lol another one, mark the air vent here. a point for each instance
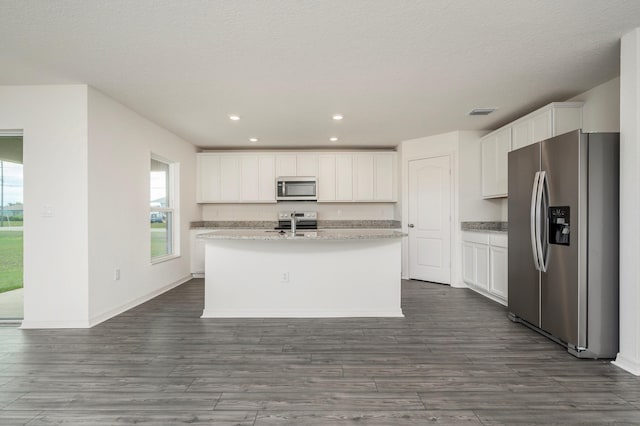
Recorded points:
(482, 111)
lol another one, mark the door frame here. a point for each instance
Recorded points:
(20, 133)
(454, 232)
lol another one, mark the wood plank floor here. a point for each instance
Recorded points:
(454, 359)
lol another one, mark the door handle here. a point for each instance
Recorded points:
(533, 218)
(411, 225)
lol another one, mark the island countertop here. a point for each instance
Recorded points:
(302, 235)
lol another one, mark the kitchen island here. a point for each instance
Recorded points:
(326, 273)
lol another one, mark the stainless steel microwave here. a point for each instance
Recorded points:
(297, 188)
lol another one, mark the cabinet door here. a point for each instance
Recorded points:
(468, 267)
(344, 177)
(541, 126)
(489, 161)
(327, 178)
(363, 177)
(494, 163)
(384, 175)
(498, 261)
(566, 119)
(267, 178)
(286, 165)
(307, 165)
(482, 266)
(521, 134)
(197, 252)
(208, 183)
(250, 178)
(503, 146)
(230, 175)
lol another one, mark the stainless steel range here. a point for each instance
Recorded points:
(303, 220)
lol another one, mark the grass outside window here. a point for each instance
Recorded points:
(11, 269)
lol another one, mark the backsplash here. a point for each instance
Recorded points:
(326, 211)
(322, 224)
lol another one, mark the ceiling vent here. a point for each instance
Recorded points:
(482, 111)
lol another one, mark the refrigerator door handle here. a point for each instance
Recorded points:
(534, 221)
(538, 215)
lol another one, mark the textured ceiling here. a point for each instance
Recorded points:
(396, 69)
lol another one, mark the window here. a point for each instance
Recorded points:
(163, 215)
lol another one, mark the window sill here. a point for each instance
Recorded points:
(163, 259)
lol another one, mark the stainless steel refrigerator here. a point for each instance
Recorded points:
(563, 240)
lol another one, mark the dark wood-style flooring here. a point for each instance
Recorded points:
(454, 359)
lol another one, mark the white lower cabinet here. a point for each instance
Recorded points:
(484, 264)
(197, 252)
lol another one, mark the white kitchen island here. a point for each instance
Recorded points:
(326, 273)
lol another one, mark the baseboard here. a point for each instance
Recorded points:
(488, 295)
(26, 325)
(630, 365)
(197, 275)
(300, 314)
(132, 304)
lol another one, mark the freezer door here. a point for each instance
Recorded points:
(524, 282)
(562, 290)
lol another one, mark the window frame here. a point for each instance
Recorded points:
(172, 210)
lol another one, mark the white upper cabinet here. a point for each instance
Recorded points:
(364, 184)
(236, 178)
(250, 177)
(286, 165)
(344, 177)
(230, 173)
(326, 177)
(552, 120)
(292, 164)
(374, 176)
(208, 178)
(495, 148)
(307, 165)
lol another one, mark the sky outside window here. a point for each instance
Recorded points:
(11, 183)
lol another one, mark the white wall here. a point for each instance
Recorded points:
(54, 119)
(601, 109)
(629, 355)
(326, 211)
(120, 145)
(86, 179)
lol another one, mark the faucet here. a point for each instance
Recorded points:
(294, 221)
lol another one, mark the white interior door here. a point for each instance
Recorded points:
(430, 219)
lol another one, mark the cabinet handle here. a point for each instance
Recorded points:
(411, 225)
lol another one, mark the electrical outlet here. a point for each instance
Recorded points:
(284, 277)
(116, 274)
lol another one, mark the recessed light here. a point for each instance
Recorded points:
(253, 139)
(334, 139)
(234, 117)
(337, 117)
(481, 111)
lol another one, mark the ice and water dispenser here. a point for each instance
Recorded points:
(559, 225)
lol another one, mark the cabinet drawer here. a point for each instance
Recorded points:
(473, 237)
(498, 240)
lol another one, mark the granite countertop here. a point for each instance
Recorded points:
(486, 227)
(302, 235)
